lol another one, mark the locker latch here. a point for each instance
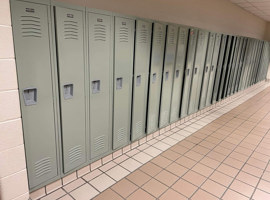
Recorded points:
(195, 71)
(177, 73)
(119, 83)
(154, 77)
(166, 76)
(187, 72)
(212, 67)
(68, 91)
(95, 86)
(138, 80)
(30, 96)
(206, 69)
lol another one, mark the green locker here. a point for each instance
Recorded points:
(101, 84)
(229, 67)
(241, 62)
(158, 44)
(140, 78)
(167, 80)
(219, 68)
(35, 66)
(213, 70)
(193, 35)
(123, 71)
(179, 73)
(69, 25)
(201, 50)
(233, 66)
(207, 69)
(224, 68)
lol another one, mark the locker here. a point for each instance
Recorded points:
(198, 71)
(240, 64)
(207, 69)
(123, 70)
(250, 63)
(157, 54)
(179, 73)
(69, 25)
(213, 70)
(219, 68)
(140, 78)
(32, 39)
(229, 67)
(224, 67)
(233, 66)
(100, 73)
(193, 34)
(167, 79)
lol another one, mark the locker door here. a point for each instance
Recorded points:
(240, 65)
(228, 72)
(207, 69)
(158, 44)
(219, 68)
(198, 71)
(193, 34)
(233, 66)
(224, 68)
(34, 66)
(179, 73)
(71, 68)
(100, 70)
(244, 67)
(213, 70)
(140, 79)
(167, 80)
(123, 70)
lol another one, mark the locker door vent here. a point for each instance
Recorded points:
(43, 166)
(143, 35)
(75, 153)
(182, 37)
(70, 30)
(123, 34)
(139, 128)
(172, 39)
(121, 134)
(30, 26)
(100, 32)
(159, 36)
(99, 143)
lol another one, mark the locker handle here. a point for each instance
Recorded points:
(154, 77)
(187, 72)
(95, 86)
(138, 80)
(195, 71)
(212, 67)
(177, 73)
(30, 96)
(119, 83)
(166, 76)
(206, 69)
(68, 91)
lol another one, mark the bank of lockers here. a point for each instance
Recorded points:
(91, 81)
(168, 75)
(155, 76)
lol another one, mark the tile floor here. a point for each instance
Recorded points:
(221, 154)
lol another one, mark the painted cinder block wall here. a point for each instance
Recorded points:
(13, 174)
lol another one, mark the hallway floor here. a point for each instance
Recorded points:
(222, 154)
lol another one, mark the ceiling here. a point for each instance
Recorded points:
(261, 8)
